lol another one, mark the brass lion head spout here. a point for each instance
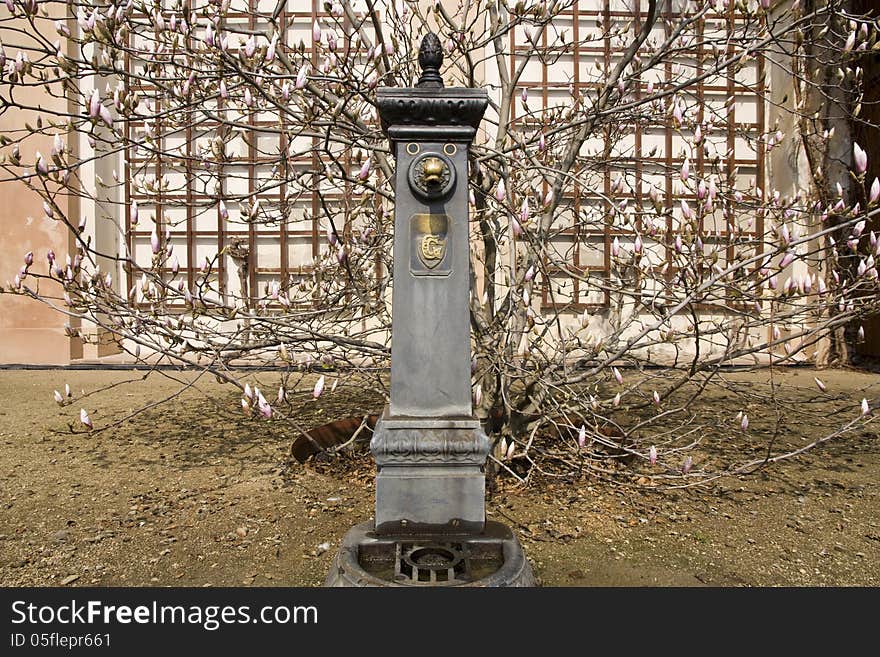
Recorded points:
(432, 170)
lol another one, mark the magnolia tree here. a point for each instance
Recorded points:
(627, 241)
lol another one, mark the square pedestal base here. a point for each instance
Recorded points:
(430, 475)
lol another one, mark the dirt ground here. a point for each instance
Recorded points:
(191, 493)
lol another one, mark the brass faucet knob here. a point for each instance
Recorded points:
(432, 170)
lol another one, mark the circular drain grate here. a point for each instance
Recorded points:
(434, 563)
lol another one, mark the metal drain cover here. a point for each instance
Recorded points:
(431, 563)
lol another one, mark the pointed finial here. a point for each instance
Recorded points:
(430, 59)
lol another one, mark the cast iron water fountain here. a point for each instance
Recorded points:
(430, 524)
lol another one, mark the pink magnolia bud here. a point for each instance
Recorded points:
(133, 213)
(685, 169)
(155, 245)
(302, 76)
(866, 408)
(686, 466)
(29, 258)
(860, 334)
(678, 244)
(582, 436)
(656, 398)
(819, 384)
(341, 256)
(94, 104)
(860, 158)
(686, 211)
(500, 191)
(530, 274)
(542, 144)
(615, 247)
(524, 211)
(744, 424)
(281, 395)
(875, 191)
(548, 198)
(319, 388)
(786, 260)
(316, 32)
(85, 419)
(652, 455)
(224, 92)
(617, 375)
(58, 398)
(850, 41)
(516, 227)
(616, 401)
(637, 245)
(365, 170)
(478, 395)
(270, 51)
(250, 47)
(524, 96)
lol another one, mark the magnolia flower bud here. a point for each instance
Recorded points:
(656, 398)
(744, 423)
(155, 245)
(478, 395)
(85, 419)
(133, 213)
(819, 384)
(516, 227)
(866, 408)
(94, 104)
(270, 51)
(652, 455)
(616, 400)
(875, 191)
(58, 398)
(500, 191)
(860, 158)
(319, 388)
(316, 32)
(686, 466)
(301, 76)
(617, 375)
(685, 169)
(365, 170)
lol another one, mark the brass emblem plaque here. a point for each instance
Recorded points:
(429, 238)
